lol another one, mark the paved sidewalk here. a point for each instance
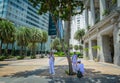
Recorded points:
(36, 71)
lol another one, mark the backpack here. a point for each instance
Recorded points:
(79, 74)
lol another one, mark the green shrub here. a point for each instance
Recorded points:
(2, 58)
(11, 56)
(71, 53)
(80, 56)
(60, 54)
(55, 55)
(32, 57)
(5, 57)
(78, 53)
(42, 56)
(19, 57)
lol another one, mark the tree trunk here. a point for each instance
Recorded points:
(12, 52)
(25, 51)
(68, 56)
(67, 53)
(6, 50)
(41, 48)
(44, 47)
(79, 46)
(33, 49)
(21, 50)
(1, 48)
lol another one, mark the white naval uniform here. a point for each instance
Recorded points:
(80, 67)
(51, 64)
(74, 63)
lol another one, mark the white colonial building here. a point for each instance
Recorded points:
(102, 40)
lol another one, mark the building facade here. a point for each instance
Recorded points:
(77, 22)
(102, 40)
(22, 13)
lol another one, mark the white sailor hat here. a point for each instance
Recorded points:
(78, 61)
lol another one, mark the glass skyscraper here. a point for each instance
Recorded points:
(22, 13)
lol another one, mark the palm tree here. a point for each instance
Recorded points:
(76, 47)
(44, 39)
(78, 35)
(12, 41)
(36, 37)
(55, 43)
(7, 33)
(0, 36)
(23, 37)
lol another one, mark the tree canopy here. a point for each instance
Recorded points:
(63, 9)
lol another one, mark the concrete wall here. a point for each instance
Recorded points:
(90, 50)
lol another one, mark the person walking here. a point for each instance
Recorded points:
(51, 63)
(74, 62)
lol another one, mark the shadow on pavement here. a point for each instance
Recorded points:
(2, 65)
(60, 77)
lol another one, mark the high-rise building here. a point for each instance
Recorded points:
(22, 13)
(77, 22)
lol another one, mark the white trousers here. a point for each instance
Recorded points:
(74, 67)
(51, 68)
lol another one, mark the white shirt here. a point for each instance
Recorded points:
(51, 59)
(74, 58)
(80, 67)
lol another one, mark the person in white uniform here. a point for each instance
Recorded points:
(80, 67)
(74, 62)
(51, 63)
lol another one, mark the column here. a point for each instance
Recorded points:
(90, 50)
(86, 18)
(116, 37)
(102, 8)
(92, 8)
(89, 18)
(100, 52)
(118, 3)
